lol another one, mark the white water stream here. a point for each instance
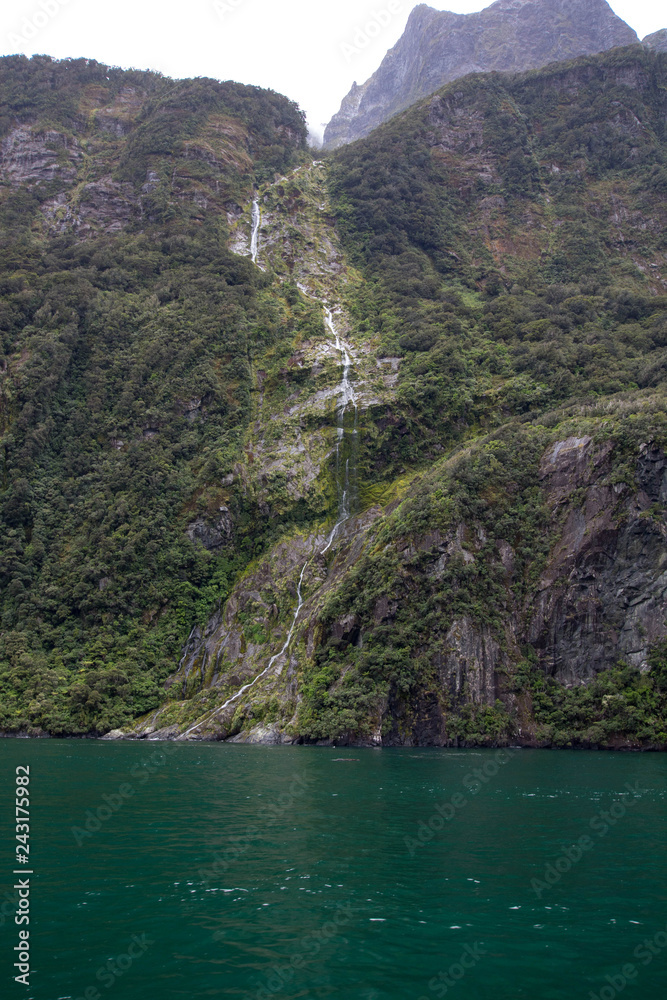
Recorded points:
(246, 687)
(346, 396)
(254, 237)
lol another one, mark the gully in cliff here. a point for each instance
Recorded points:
(345, 476)
(276, 656)
(254, 236)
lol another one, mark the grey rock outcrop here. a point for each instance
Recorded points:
(29, 156)
(602, 595)
(600, 600)
(656, 41)
(212, 535)
(438, 46)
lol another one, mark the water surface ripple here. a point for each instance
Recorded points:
(251, 872)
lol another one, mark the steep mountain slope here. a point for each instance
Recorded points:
(438, 46)
(503, 574)
(656, 41)
(128, 335)
(403, 480)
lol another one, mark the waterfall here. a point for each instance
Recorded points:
(345, 475)
(254, 237)
(246, 687)
(345, 479)
(345, 397)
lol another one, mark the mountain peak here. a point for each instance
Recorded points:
(657, 40)
(439, 46)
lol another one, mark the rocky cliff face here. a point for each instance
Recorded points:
(128, 149)
(600, 597)
(438, 46)
(656, 41)
(367, 450)
(603, 592)
(504, 575)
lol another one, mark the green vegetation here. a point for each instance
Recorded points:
(495, 493)
(406, 607)
(506, 243)
(126, 366)
(251, 132)
(619, 705)
(486, 225)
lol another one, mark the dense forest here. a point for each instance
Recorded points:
(124, 372)
(511, 233)
(505, 251)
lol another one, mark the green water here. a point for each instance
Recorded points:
(322, 885)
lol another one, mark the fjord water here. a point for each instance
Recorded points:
(316, 892)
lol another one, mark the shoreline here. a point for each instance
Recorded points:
(619, 746)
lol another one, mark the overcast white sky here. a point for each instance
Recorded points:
(308, 49)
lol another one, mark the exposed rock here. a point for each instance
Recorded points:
(59, 214)
(468, 663)
(107, 205)
(570, 464)
(438, 46)
(192, 409)
(346, 628)
(225, 655)
(118, 118)
(262, 734)
(656, 41)
(212, 536)
(152, 182)
(652, 473)
(603, 594)
(29, 156)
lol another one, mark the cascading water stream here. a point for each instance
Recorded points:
(246, 687)
(345, 397)
(345, 392)
(254, 236)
